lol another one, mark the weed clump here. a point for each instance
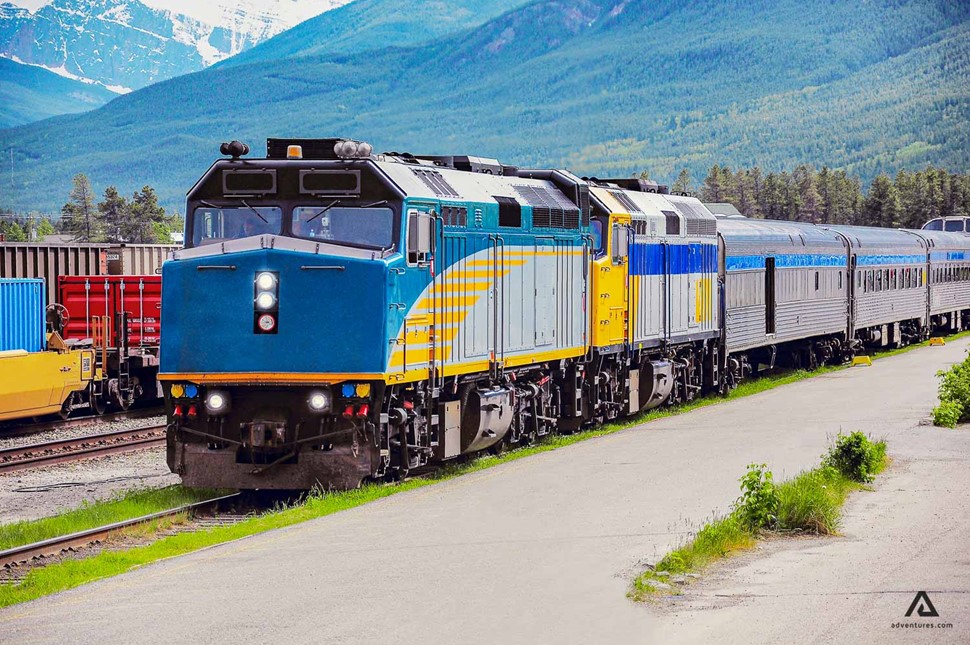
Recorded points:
(856, 457)
(954, 395)
(757, 507)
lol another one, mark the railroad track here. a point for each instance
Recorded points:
(56, 546)
(66, 450)
(24, 430)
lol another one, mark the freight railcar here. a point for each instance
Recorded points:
(121, 316)
(39, 373)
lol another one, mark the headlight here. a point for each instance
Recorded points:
(217, 402)
(265, 300)
(266, 281)
(318, 401)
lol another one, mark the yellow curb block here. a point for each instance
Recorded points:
(937, 341)
(861, 360)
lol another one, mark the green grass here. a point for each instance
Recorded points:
(809, 503)
(717, 539)
(69, 574)
(124, 506)
(812, 502)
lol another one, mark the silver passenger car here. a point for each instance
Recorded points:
(888, 296)
(783, 282)
(948, 277)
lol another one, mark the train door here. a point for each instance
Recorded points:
(851, 295)
(665, 288)
(618, 286)
(424, 243)
(770, 296)
(456, 296)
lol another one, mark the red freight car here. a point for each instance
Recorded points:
(87, 298)
(121, 314)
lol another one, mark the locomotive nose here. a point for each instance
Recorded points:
(274, 312)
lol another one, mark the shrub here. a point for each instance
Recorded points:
(757, 508)
(954, 395)
(947, 414)
(856, 456)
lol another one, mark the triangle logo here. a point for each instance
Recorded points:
(923, 606)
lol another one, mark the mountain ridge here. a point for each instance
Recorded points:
(594, 85)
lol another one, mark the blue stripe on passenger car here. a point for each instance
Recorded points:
(949, 255)
(870, 260)
(740, 262)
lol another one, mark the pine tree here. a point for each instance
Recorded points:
(145, 213)
(757, 184)
(826, 192)
(713, 189)
(683, 183)
(114, 213)
(906, 190)
(882, 203)
(771, 197)
(79, 217)
(810, 209)
(744, 193)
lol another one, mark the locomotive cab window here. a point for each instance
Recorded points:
(212, 224)
(368, 227)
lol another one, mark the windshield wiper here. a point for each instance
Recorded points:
(258, 214)
(241, 201)
(325, 209)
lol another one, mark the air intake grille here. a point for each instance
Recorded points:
(625, 200)
(454, 215)
(550, 209)
(698, 222)
(434, 181)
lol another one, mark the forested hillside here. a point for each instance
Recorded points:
(600, 86)
(31, 93)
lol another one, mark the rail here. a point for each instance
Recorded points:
(54, 546)
(86, 447)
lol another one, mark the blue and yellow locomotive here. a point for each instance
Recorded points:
(337, 315)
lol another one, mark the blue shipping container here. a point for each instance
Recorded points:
(22, 314)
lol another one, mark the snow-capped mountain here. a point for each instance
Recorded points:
(128, 44)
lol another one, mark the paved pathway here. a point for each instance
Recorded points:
(535, 551)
